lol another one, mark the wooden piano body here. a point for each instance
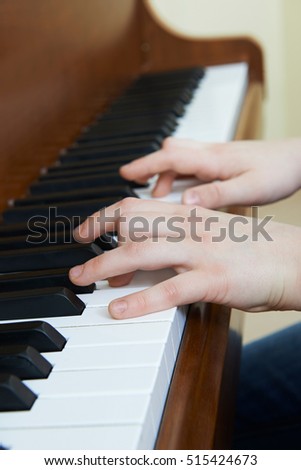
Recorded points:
(61, 63)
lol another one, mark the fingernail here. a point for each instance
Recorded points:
(79, 234)
(118, 307)
(76, 271)
(82, 231)
(192, 198)
(125, 167)
(76, 235)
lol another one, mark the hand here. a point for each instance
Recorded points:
(216, 257)
(243, 172)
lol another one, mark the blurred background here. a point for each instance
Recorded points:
(275, 24)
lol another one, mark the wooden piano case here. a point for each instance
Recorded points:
(61, 63)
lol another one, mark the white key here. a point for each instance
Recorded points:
(96, 382)
(104, 294)
(75, 411)
(118, 334)
(74, 438)
(213, 113)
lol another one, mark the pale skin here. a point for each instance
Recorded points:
(236, 269)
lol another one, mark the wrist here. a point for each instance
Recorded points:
(290, 297)
(294, 147)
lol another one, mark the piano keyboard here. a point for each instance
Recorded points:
(109, 379)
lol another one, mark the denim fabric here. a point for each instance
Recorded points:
(268, 410)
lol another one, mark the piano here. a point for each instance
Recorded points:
(85, 87)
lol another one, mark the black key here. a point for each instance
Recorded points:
(161, 130)
(39, 303)
(14, 395)
(49, 257)
(14, 230)
(140, 109)
(114, 179)
(167, 120)
(92, 163)
(50, 236)
(152, 101)
(38, 334)
(51, 225)
(160, 97)
(113, 151)
(93, 157)
(79, 195)
(147, 82)
(107, 241)
(141, 139)
(170, 76)
(171, 86)
(71, 209)
(129, 126)
(187, 76)
(41, 279)
(169, 106)
(13, 243)
(86, 168)
(23, 361)
(53, 237)
(86, 139)
(174, 89)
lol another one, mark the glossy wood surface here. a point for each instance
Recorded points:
(163, 50)
(61, 63)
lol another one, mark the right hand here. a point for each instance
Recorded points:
(233, 173)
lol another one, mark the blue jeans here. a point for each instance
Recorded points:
(268, 410)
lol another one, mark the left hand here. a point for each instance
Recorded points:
(214, 255)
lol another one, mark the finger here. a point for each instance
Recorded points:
(128, 258)
(164, 184)
(179, 155)
(97, 224)
(107, 219)
(182, 289)
(122, 280)
(143, 168)
(239, 190)
(154, 225)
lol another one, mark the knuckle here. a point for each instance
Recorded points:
(91, 269)
(170, 292)
(216, 149)
(214, 191)
(169, 146)
(134, 249)
(95, 263)
(168, 143)
(141, 302)
(126, 207)
(127, 204)
(122, 230)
